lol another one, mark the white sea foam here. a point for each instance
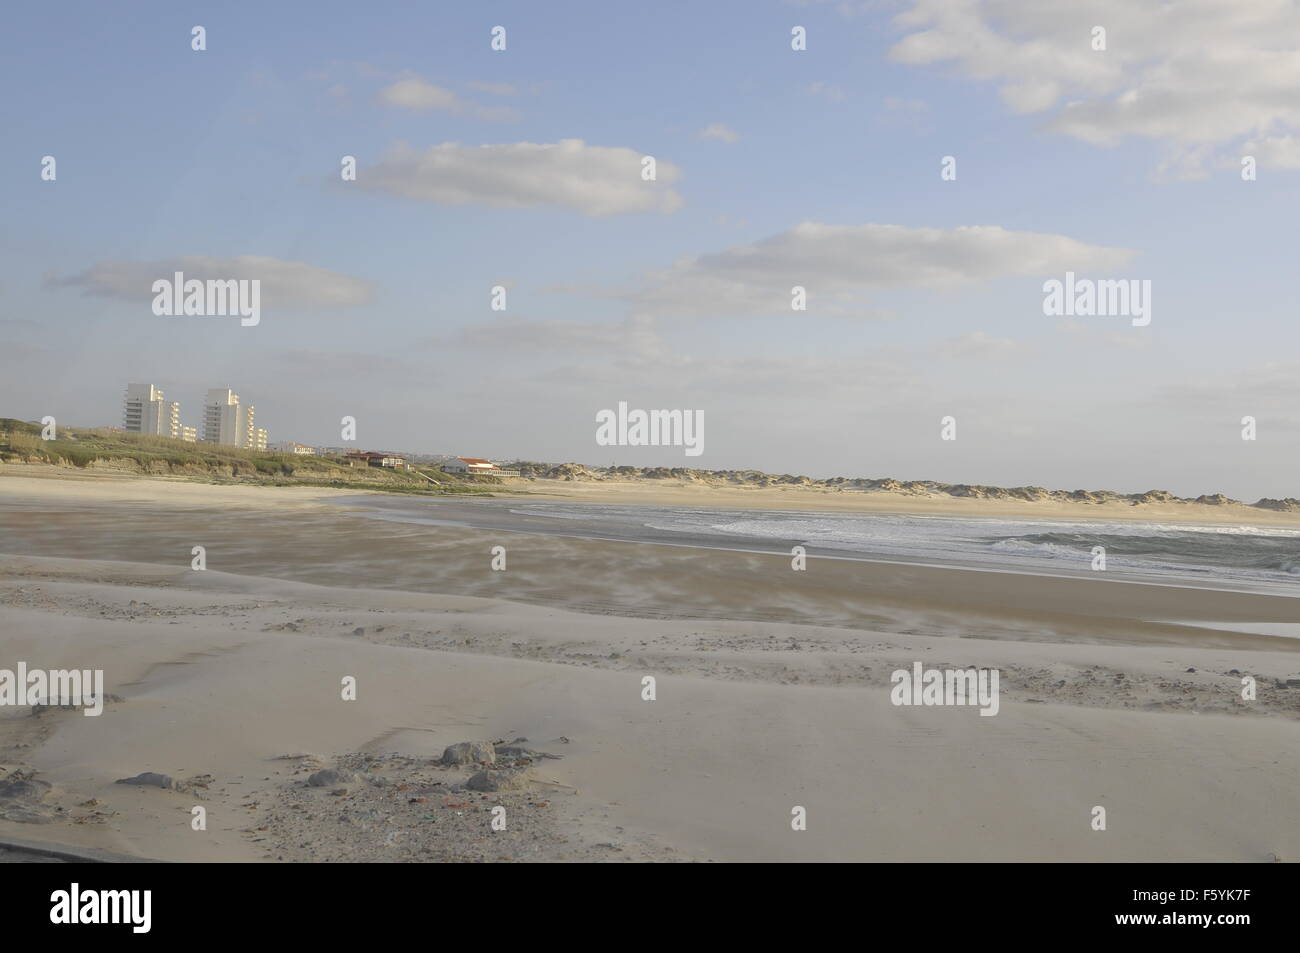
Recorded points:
(1242, 553)
(1236, 556)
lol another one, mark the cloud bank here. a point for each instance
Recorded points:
(593, 180)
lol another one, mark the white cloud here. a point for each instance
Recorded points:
(979, 345)
(848, 8)
(1270, 389)
(496, 89)
(1081, 333)
(718, 131)
(838, 264)
(829, 90)
(743, 382)
(1193, 74)
(595, 180)
(895, 104)
(415, 92)
(635, 336)
(284, 283)
(310, 363)
(1279, 152)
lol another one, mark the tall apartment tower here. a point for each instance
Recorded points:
(225, 421)
(145, 411)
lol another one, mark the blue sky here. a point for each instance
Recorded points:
(164, 152)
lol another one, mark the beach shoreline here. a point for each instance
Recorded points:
(773, 692)
(680, 493)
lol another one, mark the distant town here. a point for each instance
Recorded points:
(229, 423)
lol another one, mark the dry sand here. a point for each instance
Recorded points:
(772, 692)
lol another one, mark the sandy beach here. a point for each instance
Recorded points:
(773, 692)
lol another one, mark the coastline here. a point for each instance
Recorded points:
(853, 501)
(679, 493)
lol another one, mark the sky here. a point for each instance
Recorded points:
(823, 168)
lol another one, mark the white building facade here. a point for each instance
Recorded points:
(227, 422)
(146, 411)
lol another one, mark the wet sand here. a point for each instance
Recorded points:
(773, 692)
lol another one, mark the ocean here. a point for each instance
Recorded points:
(1235, 556)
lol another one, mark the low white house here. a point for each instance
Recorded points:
(288, 446)
(470, 465)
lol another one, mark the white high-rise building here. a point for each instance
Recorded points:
(225, 421)
(221, 416)
(145, 411)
